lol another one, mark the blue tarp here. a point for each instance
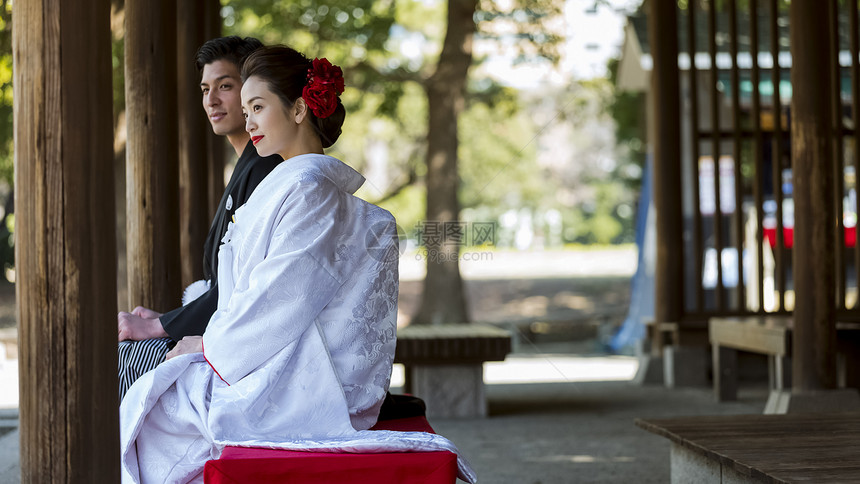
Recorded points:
(642, 286)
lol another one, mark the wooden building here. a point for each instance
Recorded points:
(718, 74)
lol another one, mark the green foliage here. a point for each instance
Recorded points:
(6, 114)
(354, 37)
(597, 221)
(628, 110)
(401, 136)
(118, 72)
(388, 50)
(408, 207)
(314, 26)
(536, 24)
(497, 159)
(7, 219)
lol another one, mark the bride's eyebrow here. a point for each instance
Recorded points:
(249, 101)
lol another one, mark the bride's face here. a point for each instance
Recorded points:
(269, 122)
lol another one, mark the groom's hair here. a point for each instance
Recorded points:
(233, 48)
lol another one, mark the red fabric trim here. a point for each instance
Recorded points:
(210, 363)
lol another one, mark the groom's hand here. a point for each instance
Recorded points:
(134, 327)
(145, 313)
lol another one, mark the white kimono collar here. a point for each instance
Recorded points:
(343, 175)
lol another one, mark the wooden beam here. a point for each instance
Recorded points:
(66, 249)
(216, 144)
(814, 351)
(665, 84)
(193, 142)
(152, 174)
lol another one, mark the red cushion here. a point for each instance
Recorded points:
(253, 465)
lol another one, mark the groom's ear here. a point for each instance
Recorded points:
(300, 110)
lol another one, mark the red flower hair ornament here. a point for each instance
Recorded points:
(325, 84)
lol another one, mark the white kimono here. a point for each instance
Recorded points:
(298, 354)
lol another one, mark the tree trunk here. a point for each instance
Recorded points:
(443, 300)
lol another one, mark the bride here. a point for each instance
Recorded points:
(298, 354)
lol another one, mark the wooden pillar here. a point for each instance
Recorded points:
(152, 172)
(216, 144)
(194, 201)
(665, 84)
(814, 347)
(65, 248)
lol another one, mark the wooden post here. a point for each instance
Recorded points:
(814, 347)
(66, 249)
(152, 174)
(193, 142)
(665, 84)
(216, 150)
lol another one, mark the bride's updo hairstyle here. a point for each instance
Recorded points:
(291, 75)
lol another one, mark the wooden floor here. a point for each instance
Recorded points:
(772, 448)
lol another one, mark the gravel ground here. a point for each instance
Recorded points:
(562, 433)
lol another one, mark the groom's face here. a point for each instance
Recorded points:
(221, 87)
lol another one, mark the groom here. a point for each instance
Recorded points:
(144, 334)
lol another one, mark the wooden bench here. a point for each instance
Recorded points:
(445, 365)
(771, 336)
(762, 448)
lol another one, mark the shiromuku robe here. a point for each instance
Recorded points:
(298, 353)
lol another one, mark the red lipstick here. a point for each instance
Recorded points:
(256, 139)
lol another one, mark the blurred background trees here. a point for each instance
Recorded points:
(499, 163)
(551, 160)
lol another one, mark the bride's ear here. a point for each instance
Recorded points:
(300, 110)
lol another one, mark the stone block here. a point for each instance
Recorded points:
(688, 467)
(450, 390)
